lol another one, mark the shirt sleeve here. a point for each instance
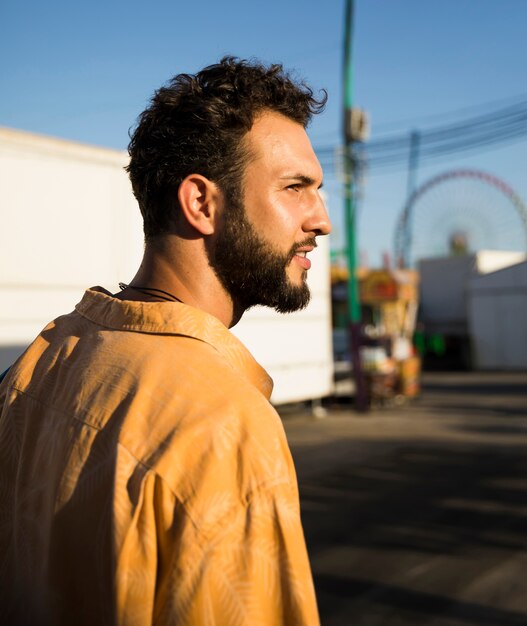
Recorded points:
(250, 568)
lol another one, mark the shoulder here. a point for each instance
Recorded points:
(226, 435)
(226, 440)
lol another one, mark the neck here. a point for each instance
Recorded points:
(177, 266)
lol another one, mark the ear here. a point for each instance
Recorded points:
(200, 199)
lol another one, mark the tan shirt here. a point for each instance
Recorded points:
(144, 476)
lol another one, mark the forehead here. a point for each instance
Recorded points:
(278, 144)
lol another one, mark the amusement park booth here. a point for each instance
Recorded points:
(389, 301)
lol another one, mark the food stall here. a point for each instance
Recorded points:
(389, 301)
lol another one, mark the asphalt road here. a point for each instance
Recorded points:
(418, 514)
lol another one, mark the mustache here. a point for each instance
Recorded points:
(310, 241)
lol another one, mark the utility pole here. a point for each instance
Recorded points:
(352, 121)
(413, 163)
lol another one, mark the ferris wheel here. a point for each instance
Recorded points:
(458, 212)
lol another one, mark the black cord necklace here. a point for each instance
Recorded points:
(147, 291)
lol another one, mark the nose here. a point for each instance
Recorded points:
(317, 221)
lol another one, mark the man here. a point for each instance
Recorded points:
(145, 477)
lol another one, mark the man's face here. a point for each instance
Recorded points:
(260, 251)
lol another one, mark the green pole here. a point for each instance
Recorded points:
(354, 315)
(354, 311)
(349, 200)
(347, 67)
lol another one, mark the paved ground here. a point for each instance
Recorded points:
(418, 514)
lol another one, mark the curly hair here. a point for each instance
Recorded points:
(196, 125)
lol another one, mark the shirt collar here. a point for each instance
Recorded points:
(173, 318)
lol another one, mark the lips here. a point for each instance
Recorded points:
(301, 250)
(301, 257)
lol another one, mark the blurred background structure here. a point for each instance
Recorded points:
(438, 157)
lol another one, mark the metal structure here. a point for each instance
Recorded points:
(457, 212)
(354, 129)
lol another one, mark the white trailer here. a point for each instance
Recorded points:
(69, 221)
(447, 305)
(443, 287)
(496, 311)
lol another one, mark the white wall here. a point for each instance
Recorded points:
(443, 286)
(69, 221)
(497, 308)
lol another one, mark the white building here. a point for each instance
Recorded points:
(478, 298)
(497, 315)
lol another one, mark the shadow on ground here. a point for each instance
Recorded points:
(424, 500)
(421, 531)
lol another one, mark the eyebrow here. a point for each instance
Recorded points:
(305, 180)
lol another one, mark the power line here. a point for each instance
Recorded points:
(504, 125)
(402, 124)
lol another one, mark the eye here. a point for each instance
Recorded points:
(295, 187)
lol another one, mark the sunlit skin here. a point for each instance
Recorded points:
(281, 186)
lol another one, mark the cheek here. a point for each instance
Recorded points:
(282, 217)
(276, 217)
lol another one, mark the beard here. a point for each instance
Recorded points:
(250, 271)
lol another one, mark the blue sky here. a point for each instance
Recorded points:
(84, 71)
